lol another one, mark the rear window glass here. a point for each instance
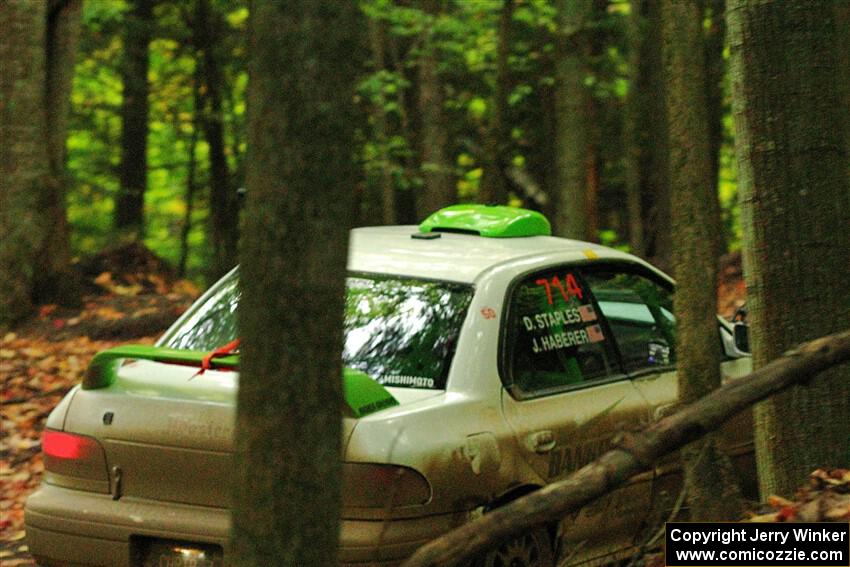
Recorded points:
(400, 331)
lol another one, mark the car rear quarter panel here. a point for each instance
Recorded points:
(461, 445)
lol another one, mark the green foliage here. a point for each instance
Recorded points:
(463, 36)
(95, 128)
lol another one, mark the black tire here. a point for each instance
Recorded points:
(531, 549)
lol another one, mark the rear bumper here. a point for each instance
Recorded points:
(71, 527)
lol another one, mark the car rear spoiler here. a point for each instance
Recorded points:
(362, 394)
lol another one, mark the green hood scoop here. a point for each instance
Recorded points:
(362, 394)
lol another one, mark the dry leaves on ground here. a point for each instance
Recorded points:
(826, 498)
(36, 374)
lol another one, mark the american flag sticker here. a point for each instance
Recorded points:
(594, 334)
(587, 313)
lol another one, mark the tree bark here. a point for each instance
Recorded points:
(795, 208)
(439, 189)
(36, 49)
(407, 100)
(54, 280)
(645, 131)
(384, 202)
(634, 454)
(306, 56)
(23, 152)
(712, 492)
(191, 183)
(224, 206)
(571, 121)
(842, 24)
(130, 203)
(633, 110)
(714, 12)
(494, 182)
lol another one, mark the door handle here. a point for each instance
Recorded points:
(540, 441)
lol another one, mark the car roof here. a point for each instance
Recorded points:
(452, 256)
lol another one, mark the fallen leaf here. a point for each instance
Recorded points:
(45, 310)
(104, 280)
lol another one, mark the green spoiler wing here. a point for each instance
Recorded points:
(362, 394)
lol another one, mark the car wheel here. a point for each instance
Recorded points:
(531, 549)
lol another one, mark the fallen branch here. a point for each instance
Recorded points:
(633, 453)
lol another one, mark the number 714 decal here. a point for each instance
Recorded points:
(568, 289)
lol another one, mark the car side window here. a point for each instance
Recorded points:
(639, 313)
(553, 338)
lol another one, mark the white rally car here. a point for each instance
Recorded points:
(484, 359)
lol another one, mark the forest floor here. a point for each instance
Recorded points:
(131, 296)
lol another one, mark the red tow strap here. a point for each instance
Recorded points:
(225, 350)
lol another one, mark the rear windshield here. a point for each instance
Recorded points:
(400, 331)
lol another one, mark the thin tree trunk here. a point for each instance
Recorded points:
(715, 69)
(224, 207)
(407, 102)
(645, 130)
(795, 209)
(592, 201)
(190, 178)
(439, 188)
(571, 104)
(130, 203)
(385, 201)
(494, 183)
(306, 56)
(633, 132)
(594, 135)
(712, 492)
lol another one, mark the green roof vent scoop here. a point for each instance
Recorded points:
(485, 220)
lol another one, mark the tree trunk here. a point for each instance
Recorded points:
(24, 156)
(633, 110)
(712, 492)
(439, 188)
(494, 184)
(224, 206)
(54, 281)
(795, 209)
(384, 203)
(191, 183)
(36, 52)
(407, 101)
(571, 121)
(842, 24)
(597, 42)
(645, 131)
(306, 57)
(714, 12)
(130, 203)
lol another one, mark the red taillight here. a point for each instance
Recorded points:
(75, 456)
(66, 446)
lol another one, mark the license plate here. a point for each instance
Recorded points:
(167, 553)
